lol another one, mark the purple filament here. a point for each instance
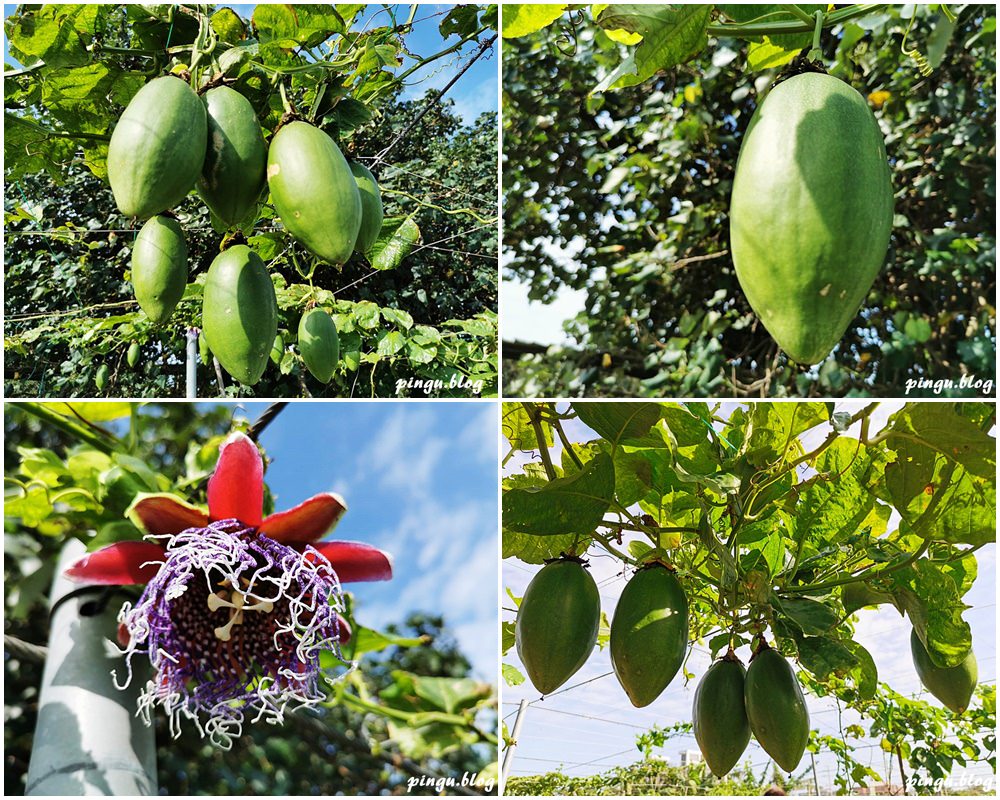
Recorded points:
(233, 624)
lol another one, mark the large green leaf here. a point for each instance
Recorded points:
(617, 421)
(520, 19)
(938, 427)
(566, 505)
(671, 34)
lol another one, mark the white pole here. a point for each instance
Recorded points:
(88, 739)
(508, 756)
(191, 364)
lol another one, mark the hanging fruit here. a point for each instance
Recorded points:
(240, 313)
(371, 208)
(953, 686)
(649, 633)
(557, 623)
(720, 719)
(811, 212)
(233, 174)
(776, 708)
(159, 267)
(314, 191)
(319, 344)
(157, 148)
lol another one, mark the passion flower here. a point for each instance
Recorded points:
(237, 608)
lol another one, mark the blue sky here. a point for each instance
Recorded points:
(593, 727)
(474, 93)
(420, 481)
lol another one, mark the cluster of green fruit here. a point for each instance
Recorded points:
(168, 141)
(811, 212)
(556, 630)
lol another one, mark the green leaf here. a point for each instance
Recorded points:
(824, 657)
(451, 695)
(366, 314)
(517, 428)
(937, 426)
(94, 412)
(391, 343)
(617, 421)
(367, 640)
(398, 236)
(671, 34)
(520, 19)
(398, 317)
(566, 505)
(811, 616)
(511, 675)
(767, 55)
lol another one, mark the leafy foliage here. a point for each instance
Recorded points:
(419, 318)
(411, 710)
(619, 166)
(767, 532)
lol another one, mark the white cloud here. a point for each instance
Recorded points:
(479, 437)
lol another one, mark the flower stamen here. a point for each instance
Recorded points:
(239, 605)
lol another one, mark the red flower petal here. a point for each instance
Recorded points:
(119, 564)
(164, 514)
(355, 561)
(236, 488)
(307, 521)
(344, 631)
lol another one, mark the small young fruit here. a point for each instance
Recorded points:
(133, 354)
(240, 313)
(776, 708)
(204, 351)
(720, 719)
(371, 207)
(953, 686)
(157, 148)
(278, 349)
(649, 633)
(319, 344)
(101, 377)
(557, 623)
(159, 267)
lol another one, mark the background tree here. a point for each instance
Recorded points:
(624, 194)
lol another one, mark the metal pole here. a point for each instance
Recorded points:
(508, 756)
(815, 776)
(88, 739)
(191, 364)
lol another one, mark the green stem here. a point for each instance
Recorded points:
(42, 412)
(795, 11)
(536, 423)
(777, 28)
(816, 52)
(606, 543)
(414, 719)
(567, 446)
(447, 51)
(861, 576)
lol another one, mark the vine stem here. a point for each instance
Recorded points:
(534, 415)
(408, 128)
(803, 26)
(42, 412)
(861, 576)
